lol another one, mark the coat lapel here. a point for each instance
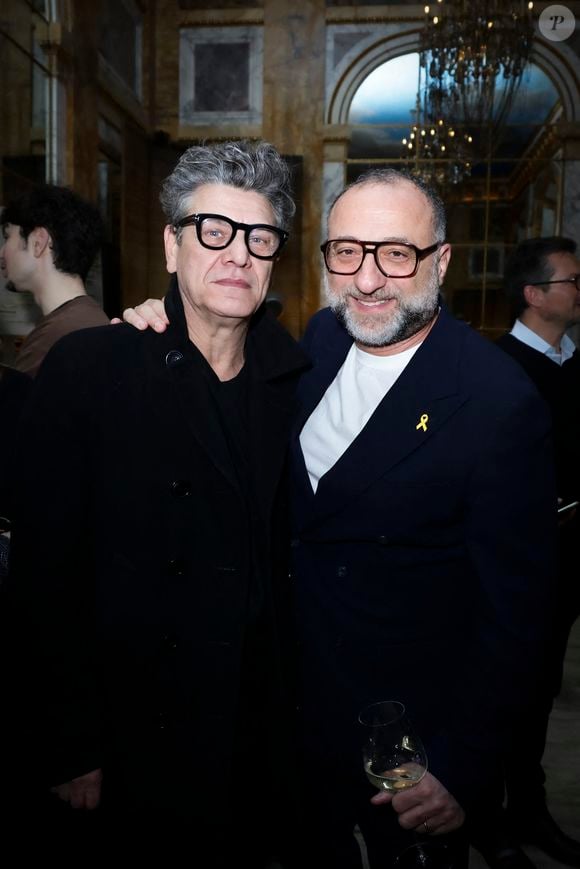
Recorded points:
(274, 362)
(178, 370)
(273, 405)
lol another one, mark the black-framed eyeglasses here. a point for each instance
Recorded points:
(395, 259)
(573, 280)
(216, 232)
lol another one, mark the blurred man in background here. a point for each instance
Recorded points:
(51, 238)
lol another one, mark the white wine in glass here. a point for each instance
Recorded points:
(396, 779)
(394, 756)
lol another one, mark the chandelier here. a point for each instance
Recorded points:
(474, 55)
(434, 149)
(471, 60)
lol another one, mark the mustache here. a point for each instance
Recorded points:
(381, 294)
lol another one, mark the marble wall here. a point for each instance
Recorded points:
(221, 75)
(571, 200)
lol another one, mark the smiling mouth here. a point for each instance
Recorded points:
(371, 303)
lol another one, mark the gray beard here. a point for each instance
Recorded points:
(408, 318)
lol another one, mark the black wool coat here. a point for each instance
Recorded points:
(14, 389)
(132, 561)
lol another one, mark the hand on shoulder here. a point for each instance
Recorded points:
(149, 314)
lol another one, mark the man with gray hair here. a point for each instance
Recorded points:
(153, 672)
(424, 517)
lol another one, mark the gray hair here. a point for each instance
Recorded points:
(392, 176)
(247, 165)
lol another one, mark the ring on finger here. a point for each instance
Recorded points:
(426, 826)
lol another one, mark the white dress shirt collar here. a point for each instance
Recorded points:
(524, 334)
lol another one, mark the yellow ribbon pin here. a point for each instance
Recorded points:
(423, 422)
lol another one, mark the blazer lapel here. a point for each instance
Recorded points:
(415, 409)
(327, 357)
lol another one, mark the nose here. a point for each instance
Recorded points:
(237, 251)
(369, 277)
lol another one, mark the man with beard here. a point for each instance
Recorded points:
(423, 513)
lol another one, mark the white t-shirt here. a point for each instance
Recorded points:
(345, 408)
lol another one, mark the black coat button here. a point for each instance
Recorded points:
(176, 567)
(169, 642)
(173, 358)
(181, 488)
(342, 570)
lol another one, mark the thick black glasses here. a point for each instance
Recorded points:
(216, 232)
(575, 280)
(395, 259)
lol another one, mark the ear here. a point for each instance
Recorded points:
(444, 257)
(534, 296)
(171, 245)
(39, 241)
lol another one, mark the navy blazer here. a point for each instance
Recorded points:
(423, 563)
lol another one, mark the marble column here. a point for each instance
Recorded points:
(571, 200)
(333, 180)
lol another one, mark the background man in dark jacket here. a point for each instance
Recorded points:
(154, 605)
(542, 281)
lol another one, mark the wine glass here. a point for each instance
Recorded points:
(394, 756)
(394, 759)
